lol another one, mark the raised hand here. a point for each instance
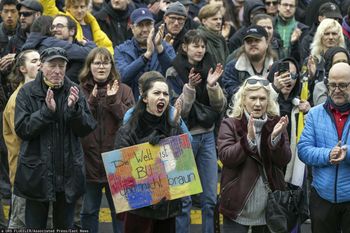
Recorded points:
(213, 76)
(251, 128)
(338, 153)
(94, 91)
(50, 101)
(150, 45)
(194, 78)
(282, 80)
(73, 96)
(112, 90)
(178, 109)
(280, 126)
(158, 38)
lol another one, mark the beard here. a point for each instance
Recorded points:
(255, 57)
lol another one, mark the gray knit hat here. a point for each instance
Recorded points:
(176, 8)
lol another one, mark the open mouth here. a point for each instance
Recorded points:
(160, 107)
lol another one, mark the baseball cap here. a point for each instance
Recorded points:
(255, 31)
(330, 10)
(31, 4)
(141, 14)
(53, 53)
(176, 8)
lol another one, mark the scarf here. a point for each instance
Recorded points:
(183, 67)
(216, 45)
(341, 108)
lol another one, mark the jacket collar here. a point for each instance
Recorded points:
(243, 64)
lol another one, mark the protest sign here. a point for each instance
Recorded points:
(142, 175)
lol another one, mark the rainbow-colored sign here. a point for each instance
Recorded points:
(143, 174)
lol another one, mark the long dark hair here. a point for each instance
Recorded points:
(86, 74)
(140, 107)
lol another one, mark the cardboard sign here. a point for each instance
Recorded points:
(143, 174)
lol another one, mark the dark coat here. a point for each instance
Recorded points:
(41, 129)
(108, 112)
(115, 23)
(240, 171)
(149, 127)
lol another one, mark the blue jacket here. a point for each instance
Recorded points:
(131, 65)
(332, 182)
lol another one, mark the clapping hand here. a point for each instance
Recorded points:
(213, 76)
(112, 90)
(251, 128)
(159, 38)
(73, 96)
(50, 101)
(194, 78)
(280, 126)
(178, 109)
(338, 153)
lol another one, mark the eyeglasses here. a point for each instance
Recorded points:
(273, 3)
(253, 81)
(103, 64)
(287, 5)
(172, 19)
(341, 86)
(26, 13)
(58, 26)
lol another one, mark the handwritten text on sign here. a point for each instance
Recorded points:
(143, 174)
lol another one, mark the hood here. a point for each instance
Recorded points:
(274, 69)
(249, 7)
(328, 57)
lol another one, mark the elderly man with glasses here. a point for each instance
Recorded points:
(324, 146)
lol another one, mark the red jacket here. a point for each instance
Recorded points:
(240, 171)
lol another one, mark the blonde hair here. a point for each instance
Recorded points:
(209, 10)
(236, 108)
(317, 49)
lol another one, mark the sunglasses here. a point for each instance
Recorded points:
(273, 3)
(26, 13)
(253, 81)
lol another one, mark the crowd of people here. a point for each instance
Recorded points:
(261, 85)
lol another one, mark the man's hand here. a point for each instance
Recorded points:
(338, 153)
(295, 35)
(50, 101)
(280, 126)
(150, 45)
(194, 78)
(159, 38)
(113, 89)
(73, 96)
(213, 76)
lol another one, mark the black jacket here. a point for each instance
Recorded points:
(47, 136)
(115, 23)
(147, 128)
(76, 52)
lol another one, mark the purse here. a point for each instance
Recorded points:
(285, 208)
(202, 115)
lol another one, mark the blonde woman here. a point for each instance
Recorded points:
(252, 135)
